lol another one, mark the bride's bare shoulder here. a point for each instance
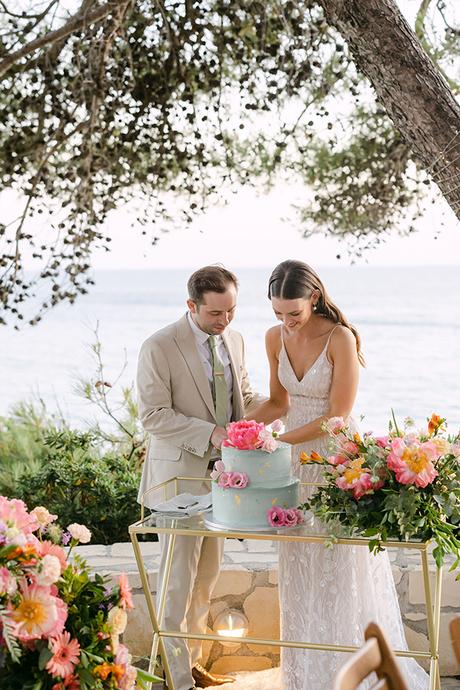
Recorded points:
(273, 338)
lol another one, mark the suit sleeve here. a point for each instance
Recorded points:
(155, 404)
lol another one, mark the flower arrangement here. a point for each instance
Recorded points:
(284, 517)
(251, 435)
(59, 627)
(228, 480)
(405, 485)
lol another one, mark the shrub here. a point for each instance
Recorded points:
(80, 485)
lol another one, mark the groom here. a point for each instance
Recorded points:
(191, 382)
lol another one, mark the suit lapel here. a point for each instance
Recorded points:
(187, 345)
(238, 405)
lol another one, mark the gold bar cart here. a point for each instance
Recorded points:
(196, 527)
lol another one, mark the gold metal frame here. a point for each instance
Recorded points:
(432, 600)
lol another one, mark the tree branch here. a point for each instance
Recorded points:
(75, 23)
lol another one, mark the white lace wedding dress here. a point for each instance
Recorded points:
(329, 594)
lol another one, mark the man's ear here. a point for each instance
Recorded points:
(192, 306)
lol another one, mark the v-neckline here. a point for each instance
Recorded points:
(309, 368)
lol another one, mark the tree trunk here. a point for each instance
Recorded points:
(408, 85)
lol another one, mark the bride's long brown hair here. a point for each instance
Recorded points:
(296, 280)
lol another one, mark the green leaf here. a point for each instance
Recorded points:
(45, 656)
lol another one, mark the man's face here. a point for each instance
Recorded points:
(215, 312)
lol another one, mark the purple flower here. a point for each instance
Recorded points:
(65, 538)
(276, 516)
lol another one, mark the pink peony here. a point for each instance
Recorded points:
(66, 654)
(412, 462)
(237, 480)
(224, 480)
(244, 434)
(276, 516)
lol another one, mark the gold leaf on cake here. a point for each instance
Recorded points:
(237, 500)
(274, 502)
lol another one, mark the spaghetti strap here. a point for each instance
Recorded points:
(330, 335)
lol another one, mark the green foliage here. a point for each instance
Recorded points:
(172, 105)
(79, 485)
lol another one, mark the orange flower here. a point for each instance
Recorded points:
(357, 438)
(435, 424)
(105, 669)
(304, 458)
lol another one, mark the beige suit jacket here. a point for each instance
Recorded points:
(176, 406)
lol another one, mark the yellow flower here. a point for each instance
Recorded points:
(354, 470)
(415, 459)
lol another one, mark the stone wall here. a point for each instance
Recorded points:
(248, 582)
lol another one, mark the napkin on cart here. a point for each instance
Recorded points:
(184, 505)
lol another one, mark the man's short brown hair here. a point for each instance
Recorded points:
(209, 279)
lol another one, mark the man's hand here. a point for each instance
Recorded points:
(218, 435)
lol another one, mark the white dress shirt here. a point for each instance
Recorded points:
(205, 355)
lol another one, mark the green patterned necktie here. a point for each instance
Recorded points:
(219, 383)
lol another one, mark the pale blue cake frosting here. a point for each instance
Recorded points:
(270, 483)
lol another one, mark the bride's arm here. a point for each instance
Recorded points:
(345, 375)
(278, 403)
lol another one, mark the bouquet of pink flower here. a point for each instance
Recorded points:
(251, 435)
(405, 485)
(59, 627)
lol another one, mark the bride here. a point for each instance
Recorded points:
(327, 594)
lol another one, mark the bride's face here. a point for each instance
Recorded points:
(294, 313)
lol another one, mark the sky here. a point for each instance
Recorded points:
(253, 231)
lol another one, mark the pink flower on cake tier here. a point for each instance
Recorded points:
(412, 462)
(244, 434)
(276, 516)
(277, 426)
(66, 654)
(292, 517)
(224, 479)
(237, 480)
(268, 441)
(217, 470)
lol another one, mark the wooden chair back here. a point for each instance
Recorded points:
(454, 627)
(375, 656)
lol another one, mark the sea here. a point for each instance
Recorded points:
(408, 319)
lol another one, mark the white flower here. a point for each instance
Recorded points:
(277, 426)
(43, 516)
(117, 620)
(79, 533)
(50, 570)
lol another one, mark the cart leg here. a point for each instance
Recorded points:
(157, 641)
(433, 613)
